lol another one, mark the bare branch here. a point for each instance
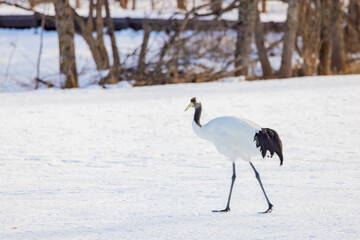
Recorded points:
(28, 9)
(40, 51)
(227, 9)
(9, 61)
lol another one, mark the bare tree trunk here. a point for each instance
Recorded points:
(181, 4)
(96, 45)
(289, 41)
(259, 39)
(216, 6)
(141, 64)
(100, 35)
(263, 6)
(310, 33)
(326, 31)
(245, 28)
(78, 4)
(115, 70)
(352, 37)
(325, 58)
(338, 58)
(354, 12)
(64, 22)
(98, 52)
(123, 3)
(40, 52)
(133, 4)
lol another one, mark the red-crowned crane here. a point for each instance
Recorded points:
(237, 138)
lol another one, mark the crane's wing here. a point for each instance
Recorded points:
(233, 136)
(232, 127)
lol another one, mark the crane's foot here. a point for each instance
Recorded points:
(227, 209)
(269, 210)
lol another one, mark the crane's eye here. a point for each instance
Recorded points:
(193, 100)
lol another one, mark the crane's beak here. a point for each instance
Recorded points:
(189, 106)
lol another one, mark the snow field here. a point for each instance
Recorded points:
(124, 163)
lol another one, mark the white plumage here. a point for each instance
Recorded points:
(232, 137)
(237, 138)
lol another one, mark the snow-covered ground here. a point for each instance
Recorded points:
(124, 163)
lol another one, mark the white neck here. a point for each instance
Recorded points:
(200, 131)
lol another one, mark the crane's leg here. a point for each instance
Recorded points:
(231, 187)
(257, 175)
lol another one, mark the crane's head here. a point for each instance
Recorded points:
(193, 103)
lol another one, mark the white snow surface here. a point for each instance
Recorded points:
(124, 163)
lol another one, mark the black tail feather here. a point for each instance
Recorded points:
(268, 140)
